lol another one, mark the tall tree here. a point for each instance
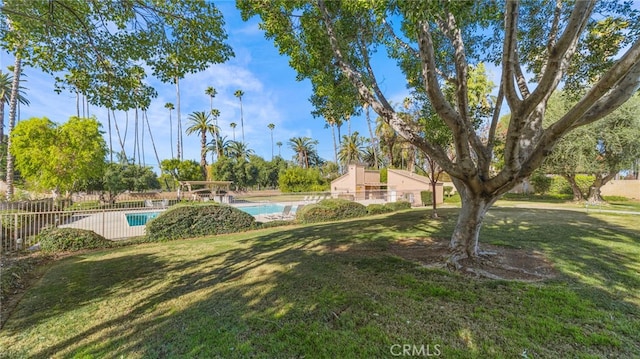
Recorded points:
(200, 123)
(271, 126)
(593, 45)
(59, 157)
(239, 94)
(6, 81)
(233, 126)
(169, 106)
(212, 92)
(107, 43)
(279, 144)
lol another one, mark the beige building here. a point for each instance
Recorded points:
(361, 184)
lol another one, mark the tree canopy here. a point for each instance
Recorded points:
(101, 48)
(59, 157)
(536, 46)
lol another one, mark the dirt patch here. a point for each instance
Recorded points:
(499, 262)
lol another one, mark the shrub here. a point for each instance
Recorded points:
(540, 182)
(330, 209)
(559, 185)
(399, 205)
(198, 220)
(426, 197)
(70, 239)
(375, 208)
(448, 190)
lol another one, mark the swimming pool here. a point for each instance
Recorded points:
(140, 219)
(267, 208)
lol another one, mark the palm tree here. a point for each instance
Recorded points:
(388, 139)
(215, 113)
(219, 144)
(239, 151)
(169, 106)
(303, 147)
(239, 94)
(352, 149)
(6, 81)
(233, 127)
(279, 144)
(211, 92)
(271, 126)
(374, 142)
(13, 106)
(200, 123)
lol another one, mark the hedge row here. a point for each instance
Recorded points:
(336, 208)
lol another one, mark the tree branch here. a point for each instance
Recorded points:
(385, 111)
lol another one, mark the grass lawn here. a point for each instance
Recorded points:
(334, 291)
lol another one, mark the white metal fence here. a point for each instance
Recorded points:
(126, 217)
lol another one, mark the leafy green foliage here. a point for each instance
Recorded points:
(70, 239)
(174, 170)
(106, 46)
(426, 197)
(198, 220)
(377, 208)
(298, 179)
(399, 205)
(541, 183)
(330, 210)
(59, 157)
(121, 177)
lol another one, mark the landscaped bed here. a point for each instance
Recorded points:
(360, 288)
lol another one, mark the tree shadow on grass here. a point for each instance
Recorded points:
(325, 290)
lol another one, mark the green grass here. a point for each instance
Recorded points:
(333, 290)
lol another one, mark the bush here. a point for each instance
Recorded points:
(198, 220)
(375, 208)
(559, 185)
(540, 182)
(400, 205)
(70, 239)
(426, 197)
(330, 209)
(448, 190)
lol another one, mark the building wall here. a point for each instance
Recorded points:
(624, 188)
(409, 185)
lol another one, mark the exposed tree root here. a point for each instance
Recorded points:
(493, 262)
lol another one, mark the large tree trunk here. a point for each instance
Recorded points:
(595, 195)
(577, 192)
(464, 241)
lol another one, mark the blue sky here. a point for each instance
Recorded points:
(272, 95)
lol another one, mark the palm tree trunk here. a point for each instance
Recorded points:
(110, 139)
(179, 145)
(373, 139)
(335, 145)
(1, 121)
(153, 143)
(13, 105)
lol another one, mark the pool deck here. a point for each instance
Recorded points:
(111, 225)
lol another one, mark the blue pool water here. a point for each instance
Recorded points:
(269, 208)
(140, 219)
